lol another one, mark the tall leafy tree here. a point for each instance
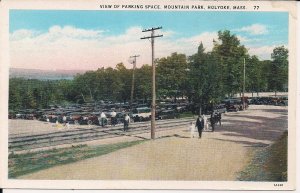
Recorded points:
(124, 81)
(171, 75)
(198, 76)
(279, 69)
(206, 78)
(253, 75)
(231, 54)
(144, 83)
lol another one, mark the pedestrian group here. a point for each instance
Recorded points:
(202, 123)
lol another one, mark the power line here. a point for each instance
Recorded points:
(152, 37)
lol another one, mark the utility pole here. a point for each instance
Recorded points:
(153, 105)
(244, 105)
(132, 83)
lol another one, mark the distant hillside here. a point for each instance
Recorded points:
(43, 74)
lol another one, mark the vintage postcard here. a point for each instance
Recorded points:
(174, 94)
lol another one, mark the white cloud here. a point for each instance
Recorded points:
(22, 34)
(131, 34)
(206, 38)
(255, 29)
(168, 33)
(263, 52)
(58, 32)
(243, 39)
(73, 48)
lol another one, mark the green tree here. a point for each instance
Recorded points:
(231, 54)
(143, 83)
(198, 76)
(124, 80)
(266, 74)
(171, 76)
(279, 69)
(15, 96)
(205, 78)
(254, 77)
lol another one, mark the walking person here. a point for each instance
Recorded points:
(205, 123)
(219, 117)
(126, 122)
(192, 128)
(212, 121)
(113, 118)
(102, 119)
(200, 125)
(64, 120)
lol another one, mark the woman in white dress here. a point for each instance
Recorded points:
(205, 123)
(192, 129)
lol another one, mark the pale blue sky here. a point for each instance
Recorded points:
(116, 34)
(185, 24)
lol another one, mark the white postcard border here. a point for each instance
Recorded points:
(121, 184)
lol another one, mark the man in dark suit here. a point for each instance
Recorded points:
(212, 121)
(200, 125)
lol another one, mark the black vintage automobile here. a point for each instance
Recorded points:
(233, 104)
(167, 114)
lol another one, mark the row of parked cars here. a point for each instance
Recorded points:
(77, 114)
(278, 101)
(144, 114)
(89, 113)
(236, 104)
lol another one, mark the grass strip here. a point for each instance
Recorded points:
(268, 164)
(21, 164)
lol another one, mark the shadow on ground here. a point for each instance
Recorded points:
(254, 131)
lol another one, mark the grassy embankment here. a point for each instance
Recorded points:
(268, 164)
(21, 164)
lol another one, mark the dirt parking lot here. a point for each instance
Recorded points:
(219, 155)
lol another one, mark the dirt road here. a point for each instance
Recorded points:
(219, 155)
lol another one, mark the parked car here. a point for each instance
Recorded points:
(182, 108)
(78, 118)
(221, 108)
(141, 114)
(11, 115)
(167, 114)
(20, 115)
(90, 119)
(232, 104)
(282, 101)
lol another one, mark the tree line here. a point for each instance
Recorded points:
(201, 78)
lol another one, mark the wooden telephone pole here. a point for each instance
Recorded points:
(132, 83)
(153, 105)
(244, 82)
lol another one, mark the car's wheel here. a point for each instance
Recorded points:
(90, 122)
